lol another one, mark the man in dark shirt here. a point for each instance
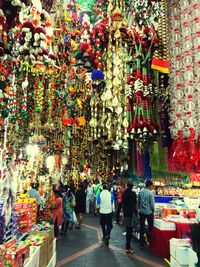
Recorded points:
(129, 204)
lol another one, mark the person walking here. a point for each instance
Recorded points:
(89, 198)
(68, 205)
(57, 211)
(146, 205)
(80, 208)
(97, 191)
(129, 204)
(106, 203)
(119, 204)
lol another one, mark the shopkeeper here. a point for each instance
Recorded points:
(33, 193)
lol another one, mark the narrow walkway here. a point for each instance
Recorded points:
(83, 248)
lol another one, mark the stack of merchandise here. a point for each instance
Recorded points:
(2, 228)
(14, 254)
(26, 212)
(164, 225)
(185, 207)
(11, 229)
(45, 232)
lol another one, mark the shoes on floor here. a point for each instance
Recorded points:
(77, 227)
(129, 250)
(124, 233)
(142, 247)
(106, 240)
(62, 233)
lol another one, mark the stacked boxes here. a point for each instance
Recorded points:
(163, 225)
(181, 254)
(193, 260)
(14, 255)
(46, 250)
(52, 262)
(34, 259)
(26, 212)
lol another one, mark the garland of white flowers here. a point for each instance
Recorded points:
(146, 12)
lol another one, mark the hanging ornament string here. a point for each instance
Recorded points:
(12, 104)
(24, 111)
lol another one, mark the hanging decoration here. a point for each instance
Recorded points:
(183, 84)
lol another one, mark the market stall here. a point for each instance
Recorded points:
(173, 220)
(96, 89)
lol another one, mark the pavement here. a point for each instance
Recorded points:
(81, 248)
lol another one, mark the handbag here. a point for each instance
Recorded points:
(73, 202)
(134, 221)
(74, 218)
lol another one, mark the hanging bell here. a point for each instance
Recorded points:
(79, 62)
(133, 131)
(139, 131)
(154, 131)
(145, 131)
(85, 55)
(87, 65)
(125, 145)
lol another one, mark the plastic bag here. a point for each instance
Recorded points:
(74, 218)
(73, 202)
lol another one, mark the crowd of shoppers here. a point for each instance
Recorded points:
(100, 198)
(130, 209)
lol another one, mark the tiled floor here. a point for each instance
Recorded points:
(83, 248)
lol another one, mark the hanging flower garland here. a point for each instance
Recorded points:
(24, 110)
(12, 104)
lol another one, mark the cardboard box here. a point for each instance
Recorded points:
(179, 251)
(34, 259)
(182, 256)
(43, 255)
(50, 250)
(52, 262)
(193, 260)
(173, 262)
(173, 247)
(163, 225)
(54, 246)
(46, 251)
(48, 234)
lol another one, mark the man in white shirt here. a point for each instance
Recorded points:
(89, 197)
(106, 202)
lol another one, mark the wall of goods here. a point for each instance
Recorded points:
(98, 88)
